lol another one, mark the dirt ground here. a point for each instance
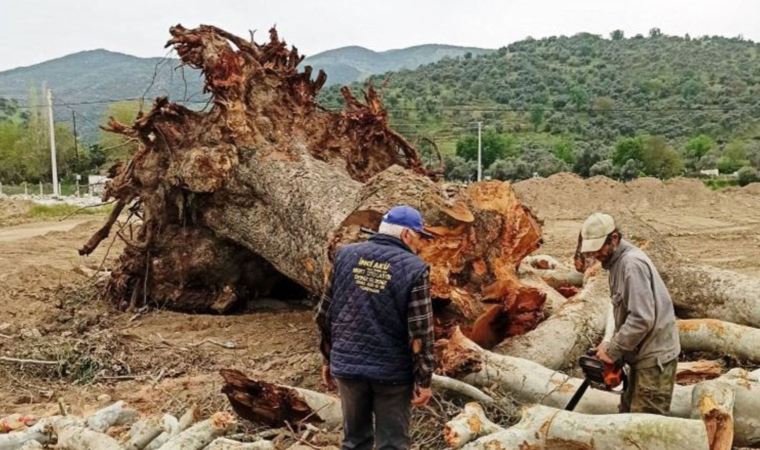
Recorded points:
(162, 361)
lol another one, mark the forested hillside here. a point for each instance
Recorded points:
(670, 105)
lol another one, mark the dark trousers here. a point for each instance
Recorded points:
(389, 403)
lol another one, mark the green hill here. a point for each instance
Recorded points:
(349, 64)
(585, 94)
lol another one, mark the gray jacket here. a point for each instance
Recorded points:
(645, 324)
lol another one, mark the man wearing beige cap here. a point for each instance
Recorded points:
(645, 337)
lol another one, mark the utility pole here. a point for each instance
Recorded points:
(52, 143)
(480, 153)
(76, 150)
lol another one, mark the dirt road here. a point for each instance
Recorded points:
(29, 230)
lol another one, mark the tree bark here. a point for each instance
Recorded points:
(720, 338)
(550, 428)
(531, 382)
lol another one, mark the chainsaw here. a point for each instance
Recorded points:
(598, 375)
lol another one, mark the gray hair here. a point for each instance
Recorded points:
(391, 229)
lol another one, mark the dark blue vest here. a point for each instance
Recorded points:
(371, 287)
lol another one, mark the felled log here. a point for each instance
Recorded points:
(550, 428)
(202, 433)
(530, 382)
(172, 426)
(268, 174)
(692, 372)
(115, 414)
(468, 425)
(143, 432)
(720, 338)
(73, 437)
(16, 422)
(41, 432)
(229, 444)
(277, 405)
(713, 403)
(563, 337)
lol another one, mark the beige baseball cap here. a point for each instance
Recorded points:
(595, 231)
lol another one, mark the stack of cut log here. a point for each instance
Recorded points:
(99, 432)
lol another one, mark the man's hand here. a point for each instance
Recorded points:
(421, 396)
(601, 353)
(327, 379)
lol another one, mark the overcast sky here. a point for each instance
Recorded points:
(33, 31)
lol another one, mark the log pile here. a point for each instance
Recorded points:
(117, 427)
(260, 189)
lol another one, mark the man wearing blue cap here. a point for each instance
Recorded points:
(376, 325)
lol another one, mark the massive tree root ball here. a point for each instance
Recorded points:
(263, 186)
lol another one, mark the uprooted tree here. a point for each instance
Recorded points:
(265, 185)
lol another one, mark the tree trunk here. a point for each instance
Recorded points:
(531, 382)
(268, 179)
(567, 334)
(275, 405)
(720, 338)
(548, 428)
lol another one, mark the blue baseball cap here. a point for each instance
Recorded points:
(408, 217)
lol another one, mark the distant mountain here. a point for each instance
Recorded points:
(349, 64)
(89, 80)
